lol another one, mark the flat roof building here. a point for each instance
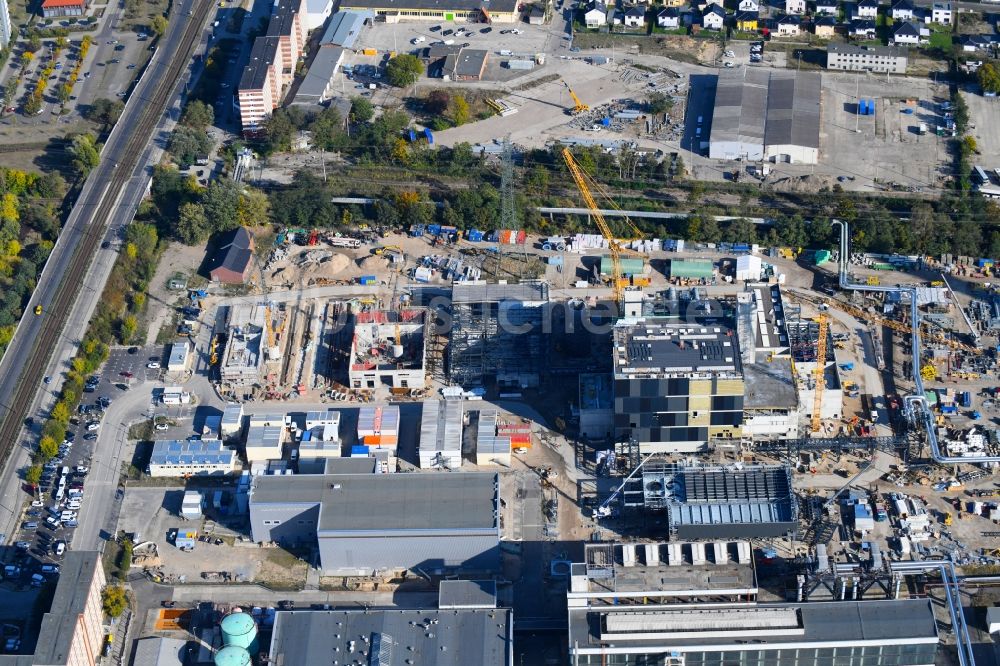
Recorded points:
(388, 349)
(231, 424)
(854, 58)
(263, 442)
(260, 89)
(470, 65)
(394, 637)
(676, 386)
(493, 444)
(72, 630)
(763, 114)
(178, 359)
(441, 434)
(597, 400)
(191, 457)
(475, 11)
(317, 85)
(365, 523)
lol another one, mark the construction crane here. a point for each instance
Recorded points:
(899, 326)
(580, 106)
(587, 185)
(604, 509)
(819, 373)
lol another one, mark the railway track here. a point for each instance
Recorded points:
(59, 307)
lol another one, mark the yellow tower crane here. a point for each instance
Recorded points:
(819, 373)
(586, 184)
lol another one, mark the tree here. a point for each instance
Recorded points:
(64, 92)
(186, 144)
(222, 204)
(437, 102)
(192, 224)
(158, 25)
(971, 146)
(989, 77)
(657, 102)
(327, 130)
(106, 111)
(86, 153)
(114, 600)
(33, 475)
(198, 115)
(459, 110)
(361, 110)
(403, 70)
(254, 208)
(279, 129)
(33, 105)
(47, 448)
(60, 412)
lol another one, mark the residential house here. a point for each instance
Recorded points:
(972, 43)
(789, 26)
(866, 9)
(795, 6)
(862, 29)
(825, 26)
(596, 14)
(635, 16)
(749, 6)
(902, 10)
(905, 33)
(714, 17)
(669, 18)
(940, 13)
(674, 3)
(746, 21)
(617, 17)
(232, 262)
(827, 7)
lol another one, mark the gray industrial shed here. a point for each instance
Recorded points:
(364, 523)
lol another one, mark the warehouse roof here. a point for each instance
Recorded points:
(652, 347)
(433, 5)
(160, 651)
(740, 105)
(380, 502)
(191, 452)
(467, 594)
(394, 637)
(319, 75)
(344, 29)
(471, 62)
(793, 109)
(262, 55)
(846, 622)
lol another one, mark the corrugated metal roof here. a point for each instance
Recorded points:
(345, 28)
(793, 109)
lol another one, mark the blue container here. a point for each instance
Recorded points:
(410, 134)
(429, 135)
(475, 235)
(359, 451)
(307, 436)
(871, 107)
(367, 279)
(949, 409)
(741, 248)
(448, 230)
(434, 229)
(417, 230)
(606, 121)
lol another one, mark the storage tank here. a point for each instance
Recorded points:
(232, 656)
(239, 630)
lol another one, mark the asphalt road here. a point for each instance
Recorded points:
(77, 269)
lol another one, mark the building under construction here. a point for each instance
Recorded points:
(803, 337)
(389, 348)
(243, 358)
(497, 334)
(716, 502)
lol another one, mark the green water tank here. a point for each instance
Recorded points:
(240, 630)
(232, 656)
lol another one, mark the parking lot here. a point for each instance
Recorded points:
(984, 118)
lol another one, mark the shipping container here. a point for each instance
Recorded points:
(474, 235)
(434, 229)
(965, 399)
(520, 64)
(429, 136)
(367, 280)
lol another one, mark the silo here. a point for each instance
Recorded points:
(239, 630)
(232, 656)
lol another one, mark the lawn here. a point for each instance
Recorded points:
(940, 40)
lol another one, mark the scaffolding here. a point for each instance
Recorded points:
(497, 332)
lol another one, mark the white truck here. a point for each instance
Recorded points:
(344, 242)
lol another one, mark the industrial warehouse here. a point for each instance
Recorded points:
(765, 115)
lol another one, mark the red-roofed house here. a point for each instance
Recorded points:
(59, 8)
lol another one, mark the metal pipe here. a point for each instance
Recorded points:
(950, 584)
(916, 405)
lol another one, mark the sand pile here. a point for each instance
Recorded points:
(372, 263)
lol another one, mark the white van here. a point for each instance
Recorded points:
(60, 492)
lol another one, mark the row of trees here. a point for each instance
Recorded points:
(190, 138)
